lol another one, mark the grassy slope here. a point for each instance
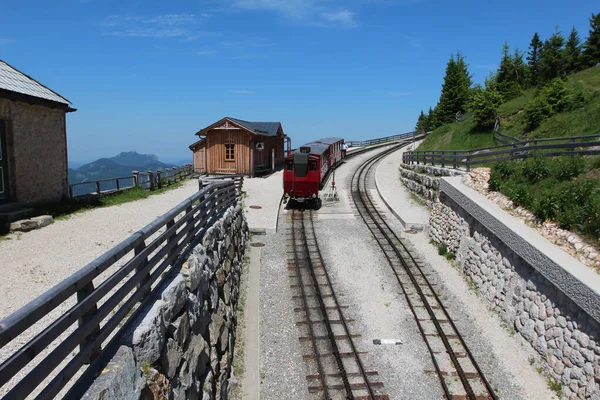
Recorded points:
(582, 121)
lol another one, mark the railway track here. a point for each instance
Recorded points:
(454, 365)
(334, 364)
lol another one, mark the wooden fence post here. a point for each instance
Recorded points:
(158, 178)
(454, 160)
(98, 187)
(135, 178)
(117, 184)
(138, 249)
(150, 180)
(81, 295)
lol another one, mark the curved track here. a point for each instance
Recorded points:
(449, 353)
(339, 371)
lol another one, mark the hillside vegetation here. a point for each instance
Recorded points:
(584, 119)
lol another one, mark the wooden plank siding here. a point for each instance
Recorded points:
(199, 158)
(216, 140)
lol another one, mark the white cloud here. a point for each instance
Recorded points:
(206, 52)
(240, 91)
(312, 12)
(159, 26)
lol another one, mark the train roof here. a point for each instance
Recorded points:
(319, 146)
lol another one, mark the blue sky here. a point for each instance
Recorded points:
(146, 75)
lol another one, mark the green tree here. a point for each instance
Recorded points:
(591, 51)
(511, 75)
(533, 59)
(432, 120)
(573, 52)
(421, 122)
(455, 90)
(484, 104)
(552, 61)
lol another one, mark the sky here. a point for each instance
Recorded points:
(146, 75)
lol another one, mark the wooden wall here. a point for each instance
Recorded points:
(246, 156)
(199, 158)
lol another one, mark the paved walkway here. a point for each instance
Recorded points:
(266, 194)
(405, 206)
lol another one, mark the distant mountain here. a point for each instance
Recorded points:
(119, 166)
(131, 158)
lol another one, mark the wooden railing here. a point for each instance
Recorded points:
(565, 146)
(238, 181)
(501, 137)
(99, 299)
(462, 117)
(363, 143)
(405, 136)
(147, 180)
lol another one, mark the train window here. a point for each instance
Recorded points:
(312, 165)
(229, 152)
(289, 165)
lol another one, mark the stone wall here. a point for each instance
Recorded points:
(37, 152)
(424, 180)
(565, 336)
(182, 345)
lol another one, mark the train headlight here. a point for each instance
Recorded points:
(314, 195)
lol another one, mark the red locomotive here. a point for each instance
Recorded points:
(306, 168)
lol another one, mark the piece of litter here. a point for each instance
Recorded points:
(387, 341)
(411, 231)
(416, 227)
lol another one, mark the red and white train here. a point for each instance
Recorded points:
(307, 168)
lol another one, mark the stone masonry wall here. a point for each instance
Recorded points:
(564, 335)
(424, 180)
(37, 152)
(182, 346)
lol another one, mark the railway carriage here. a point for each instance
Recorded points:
(307, 168)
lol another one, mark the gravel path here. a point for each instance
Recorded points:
(33, 262)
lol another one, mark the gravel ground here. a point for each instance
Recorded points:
(282, 370)
(503, 356)
(33, 262)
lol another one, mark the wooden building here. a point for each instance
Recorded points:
(233, 146)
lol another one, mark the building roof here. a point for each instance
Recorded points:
(13, 80)
(193, 145)
(257, 128)
(260, 128)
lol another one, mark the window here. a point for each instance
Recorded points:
(312, 165)
(289, 165)
(229, 152)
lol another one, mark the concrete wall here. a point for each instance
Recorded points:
(424, 180)
(182, 345)
(543, 296)
(37, 152)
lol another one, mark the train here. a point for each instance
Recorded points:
(307, 168)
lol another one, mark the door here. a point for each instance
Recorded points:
(4, 195)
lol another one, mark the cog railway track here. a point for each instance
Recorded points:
(455, 366)
(334, 363)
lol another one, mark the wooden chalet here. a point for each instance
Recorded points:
(233, 146)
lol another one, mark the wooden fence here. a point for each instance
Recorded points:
(565, 146)
(238, 181)
(99, 300)
(147, 180)
(405, 136)
(363, 143)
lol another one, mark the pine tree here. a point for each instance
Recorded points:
(591, 52)
(455, 90)
(552, 60)
(511, 75)
(421, 122)
(573, 52)
(432, 121)
(533, 59)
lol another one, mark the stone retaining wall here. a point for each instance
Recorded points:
(182, 346)
(565, 336)
(424, 180)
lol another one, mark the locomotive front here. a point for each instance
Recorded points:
(301, 176)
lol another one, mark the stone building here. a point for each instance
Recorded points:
(33, 140)
(233, 146)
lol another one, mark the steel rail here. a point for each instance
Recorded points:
(344, 324)
(383, 227)
(306, 308)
